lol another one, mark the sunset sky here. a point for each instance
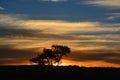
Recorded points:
(91, 28)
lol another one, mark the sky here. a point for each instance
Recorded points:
(91, 28)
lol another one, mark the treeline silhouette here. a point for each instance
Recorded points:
(37, 72)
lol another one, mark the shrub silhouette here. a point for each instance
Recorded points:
(51, 56)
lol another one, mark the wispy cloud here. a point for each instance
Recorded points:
(55, 26)
(21, 39)
(108, 56)
(104, 3)
(2, 8)
(64, 27)
(11, 21)
(54, 0)
(10, 24)
(113, 16)
(60, 27)
(33, 31)
(12, 56)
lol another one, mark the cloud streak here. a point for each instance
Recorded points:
(106, 55)
(11, 21)
(11, 56)
(55, 26)
(25, 36)
(64, 27)
(113, 16)
(2, 8)
(53, 0)
(16, 27)
(104, 3)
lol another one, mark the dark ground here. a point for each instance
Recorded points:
(58, 73)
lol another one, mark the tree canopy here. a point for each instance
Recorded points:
(51, 56)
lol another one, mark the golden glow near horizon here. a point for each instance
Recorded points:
(91, 28)
(89, 63)
(66, 62)
(84, 38)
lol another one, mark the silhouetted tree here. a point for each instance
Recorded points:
(60, 51)
(51, 56)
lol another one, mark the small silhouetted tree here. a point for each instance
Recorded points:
(51, 56)
(60, 51)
